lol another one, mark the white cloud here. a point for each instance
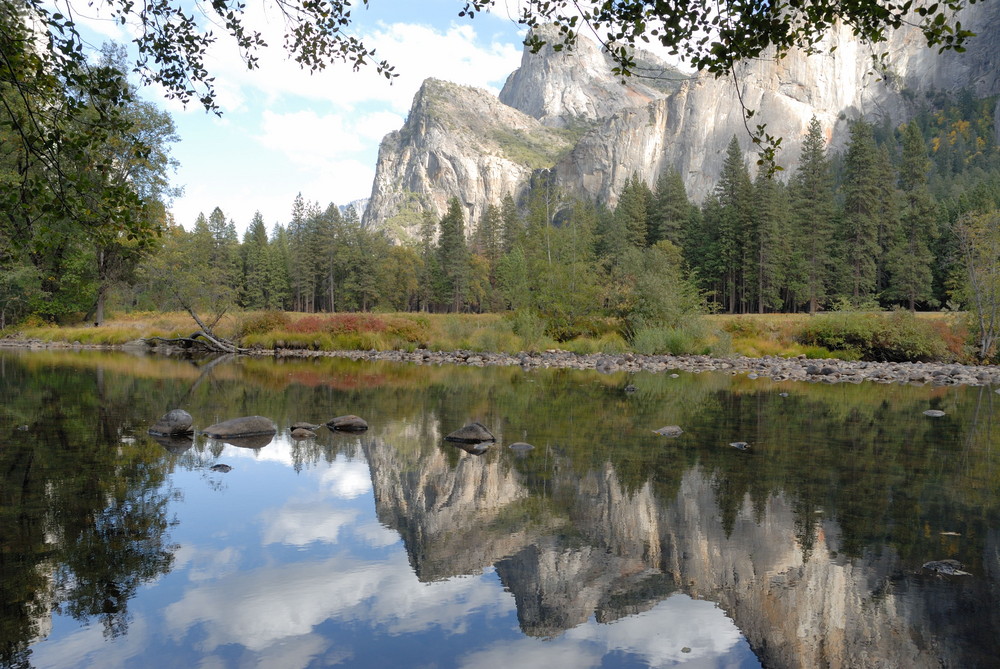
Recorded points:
(300, 524)
(659, 636)
(346, 479)
(263, 607)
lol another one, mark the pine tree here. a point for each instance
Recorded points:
(769, 240)
(910, 258)
(669, 210)
(633, 212)
(511, 224)
(735, 195)
(453, 254)
(255, 265)
(813, 220)
(862, 215)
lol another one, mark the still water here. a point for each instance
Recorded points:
(605, 546)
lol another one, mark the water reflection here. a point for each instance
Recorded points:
(605, 545)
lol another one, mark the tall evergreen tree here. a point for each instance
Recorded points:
(735, 196)
(669, 210)
(769, 240)
(910, 259)
(453, 254)
(862, 215)
(813, 212)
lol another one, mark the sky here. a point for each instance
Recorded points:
(284, 131)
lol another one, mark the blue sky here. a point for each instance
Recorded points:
(284, 131)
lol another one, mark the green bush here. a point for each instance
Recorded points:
(529, 326)
(898, 337)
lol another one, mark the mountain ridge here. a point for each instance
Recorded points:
(566, 111)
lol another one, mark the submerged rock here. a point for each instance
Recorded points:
(303, 425)
(348, 423)
(520, 446)
(241, 427)
(174, 443)
(302, 433)
(474, 449)
(176, 421)
(670, 431)
(473, 433)
(947, 567)
(934, 413)
(254, 441)
(740, 445)
(225, 469)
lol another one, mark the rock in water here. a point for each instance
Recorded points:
(303, 425)
(947, 567)
(255, 441)
(176, 421)
(474, 449)
(174, 443)
(241, 427)
(302, 433)
(221, 468)
(934, 413)
(348, 423)
(740, 445)
(473, 433)
(520, 446)
(670, 431)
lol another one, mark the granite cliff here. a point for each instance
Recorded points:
(567, 112)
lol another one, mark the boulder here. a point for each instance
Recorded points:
(670, 431)
(303, 425)
(177, 421)
(740, 445)
(473, 433)
(349, 423)
(521, 446)
(934, 413)
(241, 427)
(302, 433)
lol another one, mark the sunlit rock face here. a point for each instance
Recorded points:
(568, 112)
(459, 142)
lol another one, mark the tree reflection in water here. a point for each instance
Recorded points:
(811, 542)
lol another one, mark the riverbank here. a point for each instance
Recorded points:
(772, 367)
(777, 368)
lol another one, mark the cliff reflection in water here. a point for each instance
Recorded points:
(811, 542)
(816, 569)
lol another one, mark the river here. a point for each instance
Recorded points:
(605, 545)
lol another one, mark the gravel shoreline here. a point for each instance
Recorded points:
(772, 367)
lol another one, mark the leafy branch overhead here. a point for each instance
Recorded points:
(174, 35)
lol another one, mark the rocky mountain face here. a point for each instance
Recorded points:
(567, 112)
